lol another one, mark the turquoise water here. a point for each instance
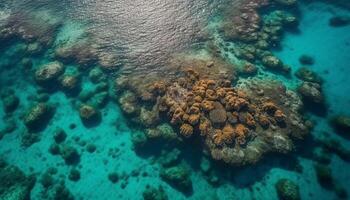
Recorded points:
(142, 42)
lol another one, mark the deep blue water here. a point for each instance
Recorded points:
(142, 36)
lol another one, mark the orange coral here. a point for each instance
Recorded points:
(169, 101)
(235, 103)
(218, 137)
(220, 92)
(194, 109)
(241, 131)
(279, 116)
(185, 117)
(193, 75)
(147, 96)
(198, 99)
(193, 119)
(186, 130)
(199, 91)
(269, 107)
(211, 83)
(240, 103)
(158, 87)
(228, 134)
(207, 105)
(177, 116)
(241, 94)
(204, 127)
(250, 120)
(264, 121)
(216, 109)
(211, 95)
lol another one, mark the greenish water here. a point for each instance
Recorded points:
(93, 129)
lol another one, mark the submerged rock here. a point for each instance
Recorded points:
(169, 158)
(89, 115)
(96, 75)
(287, 190)
(339, 21)
(153, 193)
(59, 135)
(139, 140)
(113, 177)
(69, 154)
(9, 126)
(341, 123)
(272, 62)
(248, 69)
(74, 175)
(82, 53)
(34, 48)
(324, 176)
(179, 178)
(10, 101)
(29, 28)
(38, 116)
(14, 184)
(108, 62)
(60, 191)
(47, 74)
(306, 60)
(70, 83)
(128, 102)
(306, 74)
(311, 92)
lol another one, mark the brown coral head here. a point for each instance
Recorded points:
(204, 126)
(186, 130)
(228, 133)
(207, 105)
(269, 107)
(218, 137)
(177, 116)
(193, 119)
(211, 95)
(241, 132)
(264, 121)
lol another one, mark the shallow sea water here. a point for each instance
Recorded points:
(143, 35)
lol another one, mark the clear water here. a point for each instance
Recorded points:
(143, 36)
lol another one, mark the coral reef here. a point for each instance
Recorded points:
(237, 125)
